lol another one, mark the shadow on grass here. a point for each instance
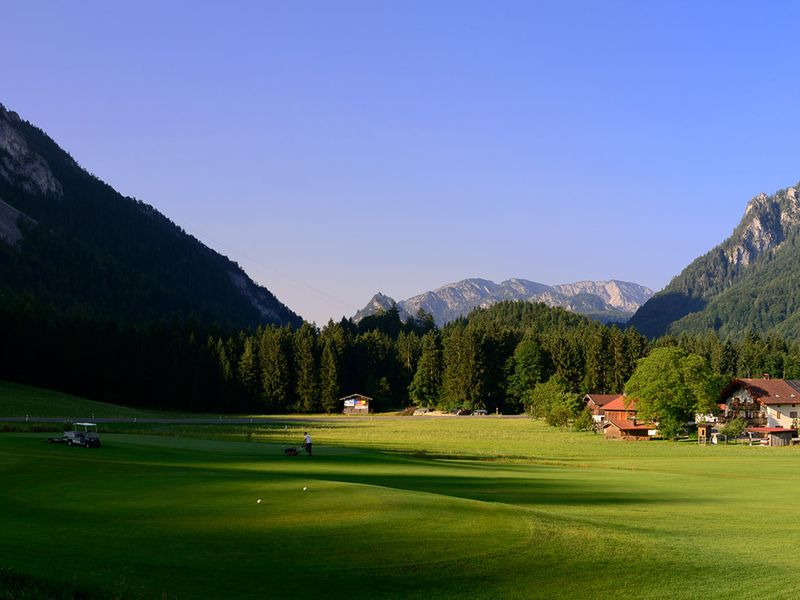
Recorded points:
(525, 485)
(17, 586)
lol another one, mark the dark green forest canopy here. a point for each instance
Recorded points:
(187, 365)
(491, 359)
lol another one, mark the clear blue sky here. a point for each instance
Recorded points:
(337, 149)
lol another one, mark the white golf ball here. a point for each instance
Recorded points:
(305, 489)
(258, 501)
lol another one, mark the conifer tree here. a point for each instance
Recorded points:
(275, 356)
(305, 365)
(224, 360)
(568, 360)
(425, 388)
(377, 360)
(408, 350)
(248, 370)
(463, 381)
(619, 372)
(331, 367)
(635, 347)
(596, 366)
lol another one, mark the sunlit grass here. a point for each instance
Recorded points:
(421, 508)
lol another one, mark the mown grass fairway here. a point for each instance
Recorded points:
(419, 508)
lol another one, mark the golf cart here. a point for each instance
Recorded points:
(81, 434)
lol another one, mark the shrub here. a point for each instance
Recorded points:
(558, 416)
(733, 429)
(584, 421)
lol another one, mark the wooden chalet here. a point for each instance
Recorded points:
(621, 423)
(596, 402)
(764, 402)
(356, 404)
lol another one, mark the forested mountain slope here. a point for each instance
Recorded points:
(71, 245)
(750, 282)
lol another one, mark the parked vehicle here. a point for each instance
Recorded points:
(463, 411)
(479, 413)
(81, 434)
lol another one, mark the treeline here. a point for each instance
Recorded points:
(487, 360)
(751, 355)
(492, 359)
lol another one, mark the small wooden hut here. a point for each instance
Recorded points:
(704, 431)
(356, 404)
(772, 436)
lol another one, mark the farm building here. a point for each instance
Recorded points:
(621, 423)
(596, 402)
(356, 404)
(620, 408)
(762, 402)
(628, 430)
(772, 436)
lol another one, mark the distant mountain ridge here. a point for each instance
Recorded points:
(749, 282)
(69, 243)
(609, 301)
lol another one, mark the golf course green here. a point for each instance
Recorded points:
(467, 507)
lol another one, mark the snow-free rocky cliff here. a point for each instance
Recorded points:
(749, 282)
(612, 301)
(19, 164)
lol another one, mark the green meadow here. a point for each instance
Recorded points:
(18, 400)
(467, 507)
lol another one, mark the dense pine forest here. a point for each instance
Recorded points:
(82, 250)
(492, 359)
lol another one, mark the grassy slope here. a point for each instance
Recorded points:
(18, 400)
(570, 516)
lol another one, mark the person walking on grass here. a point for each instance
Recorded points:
(308, 443)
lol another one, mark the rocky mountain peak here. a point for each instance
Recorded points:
(765, 225)
(607, 300)
(19, 164)
(380, 302)
(620, 295)
(765, 237)
(9, 114)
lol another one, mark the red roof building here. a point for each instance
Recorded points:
(762, 402)
(620, 408)
(621, 423)
(628, 429)
(596, 404)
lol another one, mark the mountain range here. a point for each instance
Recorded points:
(608, 301)
(71, 244)
(748, 283)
